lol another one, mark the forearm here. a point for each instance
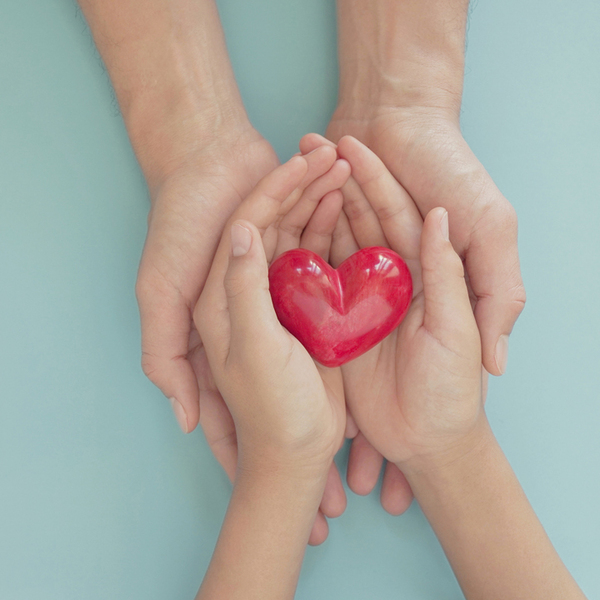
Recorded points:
(491, 536)
(402, 52)
(264, 536)
(169, 66)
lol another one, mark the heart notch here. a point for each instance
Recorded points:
(339, 314)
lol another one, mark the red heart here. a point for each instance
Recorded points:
(338, 314)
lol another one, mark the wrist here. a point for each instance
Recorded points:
(171, 73)
(289, 466)
(177, 124)
(450, 464)
(401, 54)
(285, 477)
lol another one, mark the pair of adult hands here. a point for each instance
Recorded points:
(427, 155)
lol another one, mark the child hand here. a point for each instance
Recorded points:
(417, 396)
(288, 412)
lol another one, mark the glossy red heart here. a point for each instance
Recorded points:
(338, 314)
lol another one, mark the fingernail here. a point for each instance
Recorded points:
(241, 239)
(179, 414)
(444, 226)
(501, 356)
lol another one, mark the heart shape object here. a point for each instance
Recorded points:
(339, 314)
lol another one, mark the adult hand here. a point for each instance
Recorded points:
(177, 93)
(425, 151)
(190, 206)
(185, 224)
(401, 79)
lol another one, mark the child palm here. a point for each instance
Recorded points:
(418, 392)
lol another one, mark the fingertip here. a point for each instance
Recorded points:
(347, 143)
(351, 427)
(496, 315)
(325, 150)
(364, 466)
(320, 530)
(334, 500)
(396, 493)
(241, 236)
(435, 242)
(344, 165)
(444, 226)
(311, 141)
(175, 378)
(298, 165)
(437, 216)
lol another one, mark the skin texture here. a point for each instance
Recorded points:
(427, 416)
(401, 78)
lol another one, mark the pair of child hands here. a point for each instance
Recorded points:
(417, 396)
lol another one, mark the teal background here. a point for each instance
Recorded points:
(101, 496)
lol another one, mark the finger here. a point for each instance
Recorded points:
(215, 418)
(395, 210)
(320, 530)
(492, 261)
(448, 315)
(166, 326)
(351, 426)
(361, 216)
(318, 234)
(246, 282)
(261, 208)
(319, 162)
(396, 493)
(219, 429)
(333, 503)
(264, 203)
(293, 223)
(364, 466)
(343, 243)
(363, 221)
(312, 141)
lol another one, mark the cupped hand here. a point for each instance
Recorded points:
(417, 395)
(190, 204)
(288, 411)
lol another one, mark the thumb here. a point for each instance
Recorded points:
(448, 313)
(251, 311)
(166, 325)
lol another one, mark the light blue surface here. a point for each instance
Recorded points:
(101, 497)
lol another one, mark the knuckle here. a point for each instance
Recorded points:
(507, 217)
(293, 229)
